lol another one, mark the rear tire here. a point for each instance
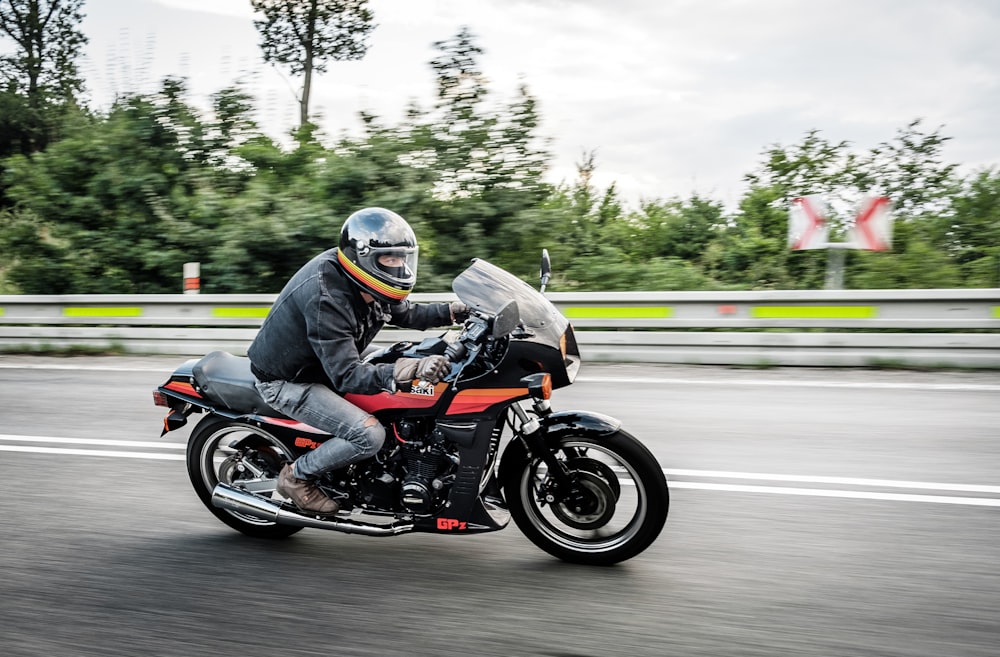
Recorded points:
(210, 458)
(617, 511)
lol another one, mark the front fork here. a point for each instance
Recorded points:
(531, 432)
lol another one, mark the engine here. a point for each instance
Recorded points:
(413, 472)
(422, 481)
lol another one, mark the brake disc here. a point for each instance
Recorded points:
(589, 506)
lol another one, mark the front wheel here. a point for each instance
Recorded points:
(241, 455)
(614, 510)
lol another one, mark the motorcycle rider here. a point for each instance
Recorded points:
(307, 354)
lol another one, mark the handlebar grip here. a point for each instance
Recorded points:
(456, 352)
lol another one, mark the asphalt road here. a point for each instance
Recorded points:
(814, 512)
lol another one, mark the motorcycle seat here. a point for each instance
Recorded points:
(227, 379)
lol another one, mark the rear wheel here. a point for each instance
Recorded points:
(222, 450)
(614, 510)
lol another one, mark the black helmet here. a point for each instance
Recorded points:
(378, 250)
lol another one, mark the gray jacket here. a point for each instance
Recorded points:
(319, 325)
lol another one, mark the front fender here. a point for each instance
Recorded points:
(554, 427)
(578, 423)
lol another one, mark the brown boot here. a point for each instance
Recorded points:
(305, 494)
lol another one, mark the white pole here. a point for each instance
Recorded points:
(192, 277)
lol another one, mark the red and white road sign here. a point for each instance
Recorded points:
(872, 229)
(807, 228)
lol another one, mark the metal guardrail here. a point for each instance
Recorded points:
(941, 328)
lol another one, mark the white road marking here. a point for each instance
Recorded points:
(638, 380)
(90, 441)
(854, 494)
(669, 472)
(796, 383)
(843, 481)
(85, 368)
(92, 452)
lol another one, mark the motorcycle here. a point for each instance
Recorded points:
(462, 456)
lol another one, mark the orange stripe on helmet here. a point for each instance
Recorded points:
(370, 281)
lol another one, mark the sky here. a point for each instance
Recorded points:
(674, 97)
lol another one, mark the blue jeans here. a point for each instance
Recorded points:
(356, 434)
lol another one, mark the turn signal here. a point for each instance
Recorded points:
(539, 385)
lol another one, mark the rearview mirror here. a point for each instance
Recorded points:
(546, 270)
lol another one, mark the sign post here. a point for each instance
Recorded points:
(192, 277)
(808, 229)
(872, 229)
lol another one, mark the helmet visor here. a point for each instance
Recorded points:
(394, 265)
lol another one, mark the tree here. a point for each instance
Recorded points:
(489, 164)
(913, 263)
(680, 229)
(813, 166)
(119, 204)
(305, 34)
(750, 252)
(973, 233)
(48, 41)
(567, 222)
(460, 134)
(39, 79)
(42, 69)
(479, 150)
(18, 125)
(910, 170)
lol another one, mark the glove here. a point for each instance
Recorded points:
(430, 369)
(459, 312)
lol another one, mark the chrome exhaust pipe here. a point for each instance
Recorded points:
(246, 503)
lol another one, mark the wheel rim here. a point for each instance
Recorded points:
(617, 510)
(221, 461)
(591, 507)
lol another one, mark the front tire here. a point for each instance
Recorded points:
(617, 508)
(224, 450)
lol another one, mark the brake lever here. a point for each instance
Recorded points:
(460, 355)
(465, 350)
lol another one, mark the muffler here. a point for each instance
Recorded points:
(246, 503)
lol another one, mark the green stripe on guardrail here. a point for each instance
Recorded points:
(240, 313)
(619, 312)
(94, 311)
(996, 312)
(814, 312)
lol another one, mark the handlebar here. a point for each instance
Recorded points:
(456, 352)
(476, 327)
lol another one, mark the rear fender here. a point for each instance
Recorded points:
(181, 395)
(297, 436)
(180, 405)
(182, 401)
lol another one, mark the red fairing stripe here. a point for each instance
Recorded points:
(477, 401)
(289, 424)
(386, 400)
(183, 388)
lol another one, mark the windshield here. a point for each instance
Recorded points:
(487, 288)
